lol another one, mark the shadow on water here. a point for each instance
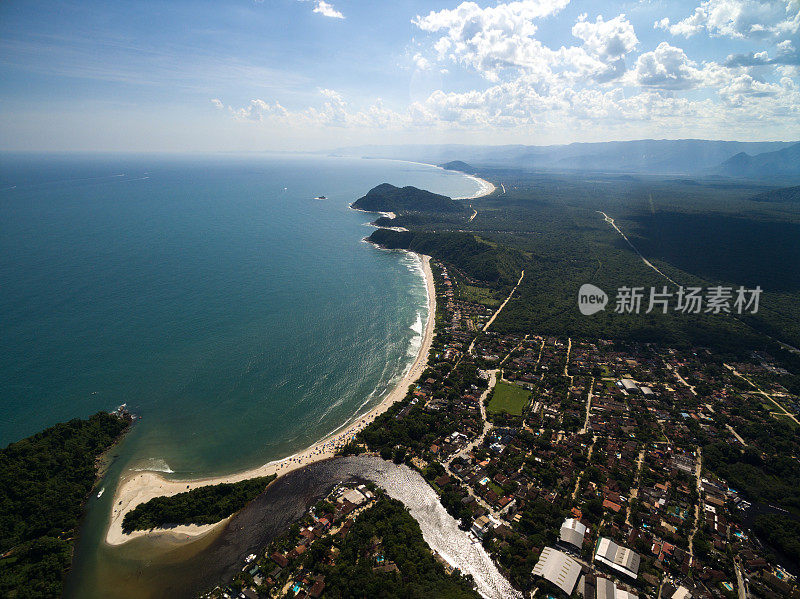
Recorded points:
(790, 562)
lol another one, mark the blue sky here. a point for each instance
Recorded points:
(310, 74)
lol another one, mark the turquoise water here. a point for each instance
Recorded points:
(238, 316)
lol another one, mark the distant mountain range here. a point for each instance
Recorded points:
(779, 163)
(647, 156)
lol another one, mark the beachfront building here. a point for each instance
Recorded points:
(572, 532)
(483, 525)
(621, 559)
(558, 568)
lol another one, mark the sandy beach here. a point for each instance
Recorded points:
(485, 186)
(485, 190)
(139, 487)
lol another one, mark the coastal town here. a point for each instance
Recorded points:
(584, 467)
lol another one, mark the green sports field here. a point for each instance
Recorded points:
(508, 398)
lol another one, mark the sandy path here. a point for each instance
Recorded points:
(139, 487)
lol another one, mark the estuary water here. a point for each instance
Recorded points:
(157, 569)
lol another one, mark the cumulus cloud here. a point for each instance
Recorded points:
(422, 63)
(257, 110)
(324, 8)
(741, 19)
(217, 103)
(493, 38)
(327, 10)
(786, 55)
(609, 41)
(666, 67)
(500, 39)
(603, 81)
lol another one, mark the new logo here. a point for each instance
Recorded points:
(591, 299)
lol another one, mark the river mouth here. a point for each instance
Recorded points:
(161, 567)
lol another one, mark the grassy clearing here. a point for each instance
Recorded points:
(508, 398)
(478, 295)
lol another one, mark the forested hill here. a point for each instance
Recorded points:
(785, 194)
(488, 262)
(44, 481)
(457, 165)
(388, 198)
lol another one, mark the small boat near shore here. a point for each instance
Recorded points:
(100, 492)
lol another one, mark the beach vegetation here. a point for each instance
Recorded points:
(44, 482)
(398, 538)
(204, 505)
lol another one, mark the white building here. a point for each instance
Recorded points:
(559, 568)
(354, 496)
(572, 532)
(629, 385)
(621, 559)
(483, 525)
(607, 589)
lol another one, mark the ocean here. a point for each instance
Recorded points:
(239, 317)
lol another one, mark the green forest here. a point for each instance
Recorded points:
(44, 482)
(205, 505)
(697, 232)
(389, 531)
(780, 532)
(388, 198)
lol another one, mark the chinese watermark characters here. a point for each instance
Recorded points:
(686, 300)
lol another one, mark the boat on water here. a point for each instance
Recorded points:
(320, 198)
(100, 492)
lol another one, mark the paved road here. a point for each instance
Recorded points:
(697, 510)
(491, 320)
(740, 580)
(610, 221)
(762, 392)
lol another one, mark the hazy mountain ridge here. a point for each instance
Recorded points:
(685, 156)
(780, 163)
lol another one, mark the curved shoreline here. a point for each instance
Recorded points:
(138, 487)
(485, 189)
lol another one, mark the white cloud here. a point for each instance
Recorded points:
(741, 19)
(491, 39)
(610, 39)
(422, 63)
(327, 10)
(666, 67)
(257, 110)
(599, 85)
(217, 103)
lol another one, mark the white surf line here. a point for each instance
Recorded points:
(610, 221)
